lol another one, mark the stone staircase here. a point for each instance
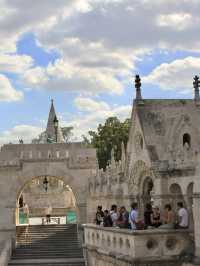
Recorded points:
(47, 245)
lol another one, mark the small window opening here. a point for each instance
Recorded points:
(186, 140)
(141, 143)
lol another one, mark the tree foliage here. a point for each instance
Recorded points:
(109, 136)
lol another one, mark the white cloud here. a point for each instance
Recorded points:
(176, 75)
(99, 42)
(89, 105)
(96, 113)
(15, 63)
(7, 92)
(181, 21)
(25, 132)
(71, 77)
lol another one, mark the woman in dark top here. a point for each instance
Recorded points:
(107, 221)
(147, 215)
(99, 215)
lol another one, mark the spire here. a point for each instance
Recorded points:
(196, 84)
(50, 130)
(138, 87)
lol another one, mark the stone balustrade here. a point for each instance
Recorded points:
(136, 245)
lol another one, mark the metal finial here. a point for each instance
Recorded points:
(138, 87)
(137, 81)
(196, 84)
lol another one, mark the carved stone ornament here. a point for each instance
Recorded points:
(140, 169)
(138, 141)
(171, 243)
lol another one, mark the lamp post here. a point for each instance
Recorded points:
(45, 183)
(55, 121)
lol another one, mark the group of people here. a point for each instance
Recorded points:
(152, 218)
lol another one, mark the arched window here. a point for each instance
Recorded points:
(186, 140)
(141, 143)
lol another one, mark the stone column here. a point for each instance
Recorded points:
(160, 192)
(196, 209)
(82, 207)
(196, 214)
(7, 223)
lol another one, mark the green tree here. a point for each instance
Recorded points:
(107, 137)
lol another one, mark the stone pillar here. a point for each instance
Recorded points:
(196, 209)
(82, 208)
(159, 189)
(7, 223)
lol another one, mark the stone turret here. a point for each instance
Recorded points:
(123, 156)
(196, 84)
(113, 162)
(138, 87)
(51, 130)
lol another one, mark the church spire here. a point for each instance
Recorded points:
(196, 84)
(138, 87)
(52, 132)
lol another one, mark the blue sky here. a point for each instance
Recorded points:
(84, 54)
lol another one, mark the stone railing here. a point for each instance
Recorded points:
(5, 252)
(136, 245)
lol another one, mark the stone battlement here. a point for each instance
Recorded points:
(74, 153)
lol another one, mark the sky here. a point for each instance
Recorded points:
(84, 54)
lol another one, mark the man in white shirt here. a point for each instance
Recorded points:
(133, 217)
(183, 219)
(114, 214)
(48, 212)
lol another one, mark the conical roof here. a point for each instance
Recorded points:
(50, 130)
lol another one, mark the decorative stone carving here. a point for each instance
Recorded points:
(138, 141)
(139, 170)
(151, 244)
(171, 243)
(157, 120)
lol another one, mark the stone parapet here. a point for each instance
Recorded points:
(73, 155)
(137, 245)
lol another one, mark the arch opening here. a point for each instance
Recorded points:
(43, 197)
(176, 195)
(146, 192)
(187, 140)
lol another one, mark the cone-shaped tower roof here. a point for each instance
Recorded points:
(51, 130)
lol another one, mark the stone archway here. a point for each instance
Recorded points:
(13, 179)
(176, 195)
(141, 184)
(146, 191)
(39, 196)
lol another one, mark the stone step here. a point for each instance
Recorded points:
(50, 245)
(47, 262)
